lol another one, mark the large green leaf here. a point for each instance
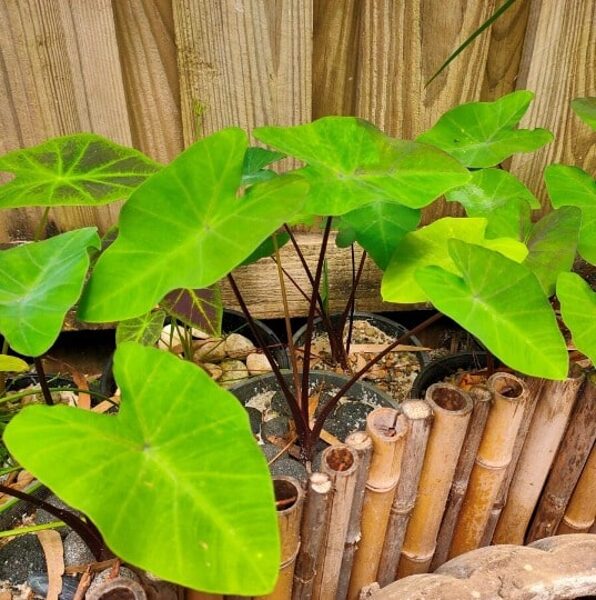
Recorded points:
(379, 227)
(552, 245)
(351, 163)
(80, 169)
(501, 198)
(585, 109)
(267, 248)
(571, 186)
(39, 282)
(428, 246)
(187, 228)
(202, 309)
(578, 309)
(175, 482)
(502, 303)
(255, 161)
(144, 330)
(483, 134)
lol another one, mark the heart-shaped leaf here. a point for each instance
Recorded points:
(81, 169)
(175, 483)
(255, 161)
(186, 228)
(502, 303)
(267, 248)
(585, 109)
(379, 227)
(351, 163)
(578, 309)
(552, 246)
(501, 198)
(428, 246)
(202, 309)
(39, 283)
(12, 364)
(144, 330)
(571, 186)
(483, 134)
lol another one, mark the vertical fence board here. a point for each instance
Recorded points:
(558, 64)
(145, 30)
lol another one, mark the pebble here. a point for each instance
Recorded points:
(211, 350)
(255, 418)
(289, 467)
(76, 552)
(257, 364)
(280, 405)
(238, 346)
(233, 371)
(168, 338)
(353, 415)
(38, 582)
(21, 556)
(42, 516)
(277, 428)
(215, 371)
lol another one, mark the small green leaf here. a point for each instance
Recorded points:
(428, 246)
(503, 305)
(578, 309)
(501, 198)
(552, 246)
(39, 283)
(82, 169)
(585, 109)
(267, 248)
(12, 364)
(202, 309)
(255, 161)
(143, 330)
(483, 134)
(175, 482)
(570, 186)
(210, 232)
(351, 163)
(379, 227)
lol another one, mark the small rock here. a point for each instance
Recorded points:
(215, 371)
(257, 364)
(21, 556)
(168, 338)
(270, 451)
(353, 415)
(76, 552)
(290, 467)
(276, 429)
(199, 334)
(255, 418)
(337, 428)
(233, 371)
(42, 517)
(38, 582)
(238, 346)
(211, 350)
(280, 405)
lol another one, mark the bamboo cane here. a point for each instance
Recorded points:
(568, 464)
(196, 595)
(534, 386)
(581, 512)
(546, 430)
(316, 513)
(362, 444)
(341, 463)
(493, 457)
(290, 500)
(419, 415)
(452, 408)
(387, 429)
(482, 397)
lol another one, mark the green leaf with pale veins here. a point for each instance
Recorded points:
(571, 186)
(12, 364)
(351, 163)
(379, 227)
(202, 309)
(186, 227)
(483, 134)
(82, 169)
(39, 283)
(428, 246)
(552, 245)
(578, 309)
(144, 330)
(585, 109)
(175, 482)
(501, 303)
(267, 248)
(501, 198)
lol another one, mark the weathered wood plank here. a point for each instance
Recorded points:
(558, 64)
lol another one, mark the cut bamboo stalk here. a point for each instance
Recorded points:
(196, 595)
(341, 463)
(493, 457)
(534, 387)
(568, 464)
(482, 397)
(316, 514)
(289, 497)
(451, 409)
(581, 512)
(418, 415)
(387, 429)
(543, 439)
(362, 444)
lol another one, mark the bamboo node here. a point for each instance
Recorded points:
(290, 559)
(491, 466)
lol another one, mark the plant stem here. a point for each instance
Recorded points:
(32, 529)
(8, 470)
(351, 304)
(294, 283)
(43, 382)
(42, 224)
(36, 391)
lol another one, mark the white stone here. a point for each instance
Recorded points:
(257, 364)
(215, 371)
(211, 350)
(168, 338)
(233, 371)
(238, 346)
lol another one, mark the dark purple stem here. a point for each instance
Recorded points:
(43, 382)
(351, 305)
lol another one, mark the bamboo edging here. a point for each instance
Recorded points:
(451, 408)
(196, 595)
(387, 429)
(482, 397)
(546, 430)
(568, 464)
(419, 415)
(490, 466)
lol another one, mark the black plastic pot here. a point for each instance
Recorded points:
(441, 368)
